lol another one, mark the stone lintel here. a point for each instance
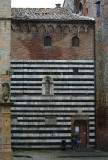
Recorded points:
(80, 117)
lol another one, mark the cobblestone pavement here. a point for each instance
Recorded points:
(59, 155)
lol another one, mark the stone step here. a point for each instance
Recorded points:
(85, 149)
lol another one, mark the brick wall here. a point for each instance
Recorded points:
(28, 44)
(101, 70)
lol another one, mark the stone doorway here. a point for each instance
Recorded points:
(80, 126)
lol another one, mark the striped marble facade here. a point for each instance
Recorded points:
(42, 121)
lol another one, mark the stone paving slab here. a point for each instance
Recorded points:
(59, 155)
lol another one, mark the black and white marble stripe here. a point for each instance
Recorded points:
(72, 92)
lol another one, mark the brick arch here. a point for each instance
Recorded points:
(82, 29)
(18, 28)
(42, 29)
(33, 28)
(74, 30)
(58, 29)
(66, 29)
(50, 29)
(26, 28)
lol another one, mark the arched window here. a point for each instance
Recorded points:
(47, 86)
(47, 41)
(75, 41)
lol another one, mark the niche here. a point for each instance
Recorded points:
(47, 86)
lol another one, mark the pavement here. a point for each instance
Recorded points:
(58, 155)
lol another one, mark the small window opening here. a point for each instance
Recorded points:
(98, 8)
(75, 71)
(75, 41)
(47, 41)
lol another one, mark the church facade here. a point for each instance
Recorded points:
(57, 60)
(53, 84)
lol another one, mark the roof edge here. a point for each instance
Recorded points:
(53, 20)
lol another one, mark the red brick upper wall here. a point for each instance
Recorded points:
(28, 41)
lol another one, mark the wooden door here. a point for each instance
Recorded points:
(80, 128)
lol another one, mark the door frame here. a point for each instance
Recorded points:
(80, 117)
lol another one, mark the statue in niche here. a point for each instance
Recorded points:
(6, 92)
(47, 86)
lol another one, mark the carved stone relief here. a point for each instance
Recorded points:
(6, 92)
